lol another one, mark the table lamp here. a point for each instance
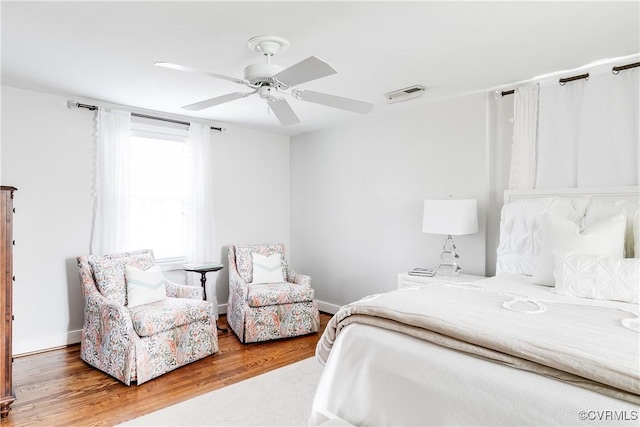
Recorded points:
(453, 217)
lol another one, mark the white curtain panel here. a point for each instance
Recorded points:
(201, 226)
(525, 137)
(588, 131)
(501, 136)
(615, 100)
(109, 229)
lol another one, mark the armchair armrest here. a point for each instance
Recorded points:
(302, 279)
(103, 311)
(237, 285)
(99, 310)
(297, 278)
(175, 290)
(108, 337)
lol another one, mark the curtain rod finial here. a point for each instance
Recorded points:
(72, 104)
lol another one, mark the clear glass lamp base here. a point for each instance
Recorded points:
(450, 265)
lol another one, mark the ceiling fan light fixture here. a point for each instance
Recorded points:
(267, 92)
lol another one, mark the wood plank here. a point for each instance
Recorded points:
(6, 298)
(57, 388)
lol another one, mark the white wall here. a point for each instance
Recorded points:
(252, 200)
(45, 147)
(47, 154)
(357, 193)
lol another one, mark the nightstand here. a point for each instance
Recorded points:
(406, 281)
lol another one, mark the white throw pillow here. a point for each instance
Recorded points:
(144, 286)
(604, 238)
(604, 208)
(267, 269)
(598, 277)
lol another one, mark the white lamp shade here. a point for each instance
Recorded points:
(455, 217)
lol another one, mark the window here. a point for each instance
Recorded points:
(159, 189)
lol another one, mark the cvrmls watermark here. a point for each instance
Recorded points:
(608, 415)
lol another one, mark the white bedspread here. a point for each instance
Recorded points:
(381, 377)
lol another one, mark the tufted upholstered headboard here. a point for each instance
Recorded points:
(602, 193)
(521, 219)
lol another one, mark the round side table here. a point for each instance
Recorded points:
(203, 270)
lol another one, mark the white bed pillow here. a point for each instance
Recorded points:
(267, 269)
(598, 277)
(144, 286)
(603, 208)
(604, 238)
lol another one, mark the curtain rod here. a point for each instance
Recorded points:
(144, 116)
(565, 80)
(562, 81)
(616, 70)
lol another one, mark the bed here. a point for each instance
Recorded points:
(504, 350)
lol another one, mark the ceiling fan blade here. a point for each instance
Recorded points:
(311, 68)
(198, 71)
(334, 101)
(283, 112)
(217, 101)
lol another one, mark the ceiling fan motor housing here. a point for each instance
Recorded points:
(259, 74)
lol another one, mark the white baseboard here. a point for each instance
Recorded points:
(328, 307)
(222, 308)
(36, 345)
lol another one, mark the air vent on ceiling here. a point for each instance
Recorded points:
(405, 94)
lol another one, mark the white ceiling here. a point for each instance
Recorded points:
(105, 50)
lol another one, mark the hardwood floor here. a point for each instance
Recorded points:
(56, 388)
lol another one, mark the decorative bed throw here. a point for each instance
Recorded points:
(603, 356)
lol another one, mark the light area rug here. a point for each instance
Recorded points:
(281, 397)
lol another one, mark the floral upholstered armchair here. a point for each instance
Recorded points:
(279, 308)
(138, 343)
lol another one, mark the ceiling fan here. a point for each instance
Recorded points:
(269, 80)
